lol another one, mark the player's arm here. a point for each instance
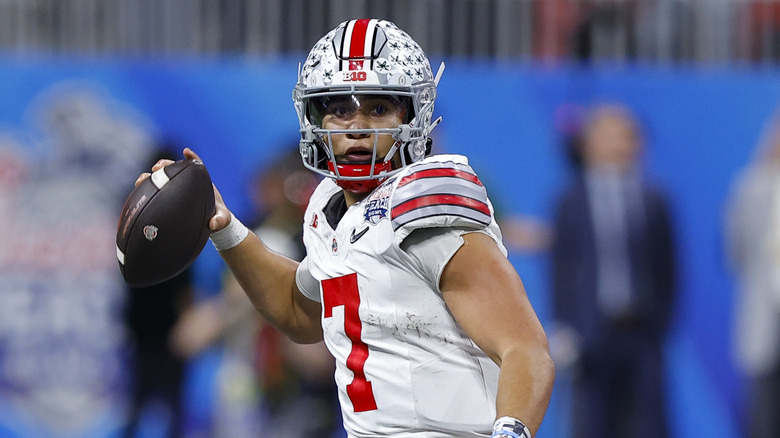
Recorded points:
(267, 278)
(487, 298)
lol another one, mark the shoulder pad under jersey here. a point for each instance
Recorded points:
(440, 191)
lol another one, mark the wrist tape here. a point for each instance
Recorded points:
(233, 234)
(508, 427)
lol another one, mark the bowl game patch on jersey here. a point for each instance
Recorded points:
(378, 203)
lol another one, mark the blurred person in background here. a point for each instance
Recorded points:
(430, 324)
(265, 380)
(613, 275)
(753, 246)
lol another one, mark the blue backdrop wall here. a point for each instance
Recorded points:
(701, 127)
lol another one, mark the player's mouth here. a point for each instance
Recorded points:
(356, 155)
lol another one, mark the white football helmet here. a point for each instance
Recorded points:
(366, 57)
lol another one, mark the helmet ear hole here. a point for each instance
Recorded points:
(322, 155)
(314, 154)
(415, 151)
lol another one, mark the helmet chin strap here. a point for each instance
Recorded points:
(360, 170)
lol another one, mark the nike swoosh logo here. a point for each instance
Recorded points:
(354, 237)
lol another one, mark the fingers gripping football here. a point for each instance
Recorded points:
(222, 216)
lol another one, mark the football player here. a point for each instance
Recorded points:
(406, 278)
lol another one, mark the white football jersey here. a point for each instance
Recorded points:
(404, 366)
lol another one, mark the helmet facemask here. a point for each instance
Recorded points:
(397, 72)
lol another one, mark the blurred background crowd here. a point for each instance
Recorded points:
(631, 148)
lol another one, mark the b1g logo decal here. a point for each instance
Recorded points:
(355, 76)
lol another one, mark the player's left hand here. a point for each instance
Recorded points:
(221, 217)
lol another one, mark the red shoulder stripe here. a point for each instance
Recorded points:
(436, 173)
(425, 201)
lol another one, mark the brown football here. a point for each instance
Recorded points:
(163, 226)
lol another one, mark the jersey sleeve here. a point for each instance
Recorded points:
(307, 284)
(431, 249)
(439, 194)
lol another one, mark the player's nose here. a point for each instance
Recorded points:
(358, 121)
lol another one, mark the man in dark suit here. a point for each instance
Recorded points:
(613, 279)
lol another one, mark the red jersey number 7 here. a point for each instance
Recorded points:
(343, 291)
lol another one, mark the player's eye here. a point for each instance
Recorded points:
(340, 109)
(381, 107)
(337, 110)
(380, 110)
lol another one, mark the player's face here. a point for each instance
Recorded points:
(362, 112)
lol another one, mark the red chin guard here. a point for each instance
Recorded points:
(358, 170)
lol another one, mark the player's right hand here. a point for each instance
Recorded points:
(221, 216)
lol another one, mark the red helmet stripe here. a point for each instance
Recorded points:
(357, 46)
(360, 43)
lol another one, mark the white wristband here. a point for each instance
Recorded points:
(230, 236)
(509, 427)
